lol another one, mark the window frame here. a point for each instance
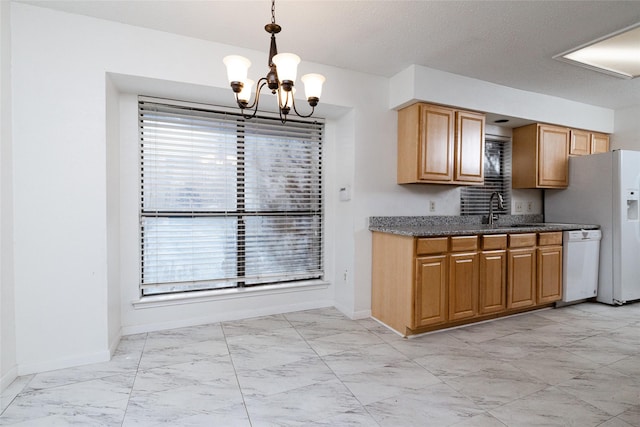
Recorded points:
(241, 212)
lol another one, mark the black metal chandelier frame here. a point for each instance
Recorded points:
(283, 89)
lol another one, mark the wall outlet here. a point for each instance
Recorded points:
(432, 205)
(529, 206)
(518, 207)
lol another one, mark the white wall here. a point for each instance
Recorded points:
(426, 84)
(627, 129)
(112, 149)
(60, 225)
(8, 369)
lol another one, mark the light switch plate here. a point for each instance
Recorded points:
(345, 193)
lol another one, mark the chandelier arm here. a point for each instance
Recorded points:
(283, 118)
(301, 115)
(283, 110)
(256, 100)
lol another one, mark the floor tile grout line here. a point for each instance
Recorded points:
(18, 394)
(337, 377)
(584, 402)
(235, 372)
(135, 377)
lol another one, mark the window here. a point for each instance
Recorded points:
(474, 200)
(227, 202)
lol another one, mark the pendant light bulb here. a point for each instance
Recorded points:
(245, 93)
(313, 85)
(287, 65)
(237, 68)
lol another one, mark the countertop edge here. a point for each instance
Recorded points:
(476, 229)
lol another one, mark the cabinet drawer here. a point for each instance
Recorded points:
(496, 241)
(434, 245)
(464, 243)
(522, 240)
(552, 238)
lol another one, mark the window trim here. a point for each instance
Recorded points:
(180, 298)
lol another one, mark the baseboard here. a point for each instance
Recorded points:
(354, 315)
(114, 344)
(362, 314)
(225, 317)
(52, 365)
(8, 378)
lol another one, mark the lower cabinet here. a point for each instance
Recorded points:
(463, 286)
(421, 284)
(549, 281)
(549, 268)
(430, 291)
(521, 269)
(493, 274)
(522, 278)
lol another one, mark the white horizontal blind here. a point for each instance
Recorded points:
(474, 200)
(227, 202)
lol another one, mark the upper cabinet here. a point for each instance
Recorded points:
(580, 143)
(584, 142)
(540, 156)
(599, 143)
(469, 152)
(440, 145)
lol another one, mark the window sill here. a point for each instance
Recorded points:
(222, 294)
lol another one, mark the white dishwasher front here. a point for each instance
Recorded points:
(580, 261)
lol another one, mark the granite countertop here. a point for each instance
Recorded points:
(456, 226)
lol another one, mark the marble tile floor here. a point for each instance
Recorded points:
(572, 366)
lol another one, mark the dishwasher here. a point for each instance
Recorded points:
(580, 261)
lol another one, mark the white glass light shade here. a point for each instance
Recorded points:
(237, 68)
(287, 64)
(245, 93)
(313, 85)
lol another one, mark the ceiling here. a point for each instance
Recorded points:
(510, 43)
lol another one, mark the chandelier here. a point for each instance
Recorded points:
(280, 79)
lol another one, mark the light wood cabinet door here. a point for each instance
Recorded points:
(463, 286)
(469, 148)
(540, 156)
(430, 294)
(549, 284)
(580, 143)
(599, 143)
(493, 282)
(437, 142)
(521, 278)
(553, 156)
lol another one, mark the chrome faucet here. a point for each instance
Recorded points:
(500, 206)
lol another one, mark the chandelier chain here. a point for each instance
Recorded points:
(273, 11)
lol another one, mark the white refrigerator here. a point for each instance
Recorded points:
(603, 189)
